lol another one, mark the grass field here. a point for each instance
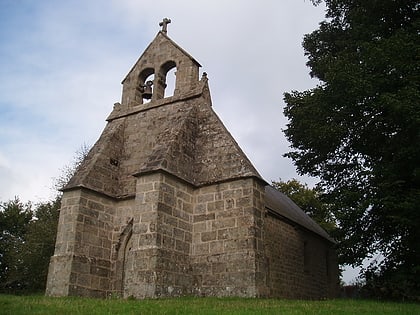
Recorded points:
(16, 305)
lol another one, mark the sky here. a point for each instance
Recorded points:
(62, 63)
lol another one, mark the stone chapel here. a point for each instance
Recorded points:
(167, 204)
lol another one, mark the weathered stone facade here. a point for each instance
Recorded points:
(167, 204)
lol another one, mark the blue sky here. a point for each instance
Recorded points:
(62, 63)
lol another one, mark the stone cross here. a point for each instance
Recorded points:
(164, 25)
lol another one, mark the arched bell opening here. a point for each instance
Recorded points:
(170, 82)
(144, 89)
(167, 80)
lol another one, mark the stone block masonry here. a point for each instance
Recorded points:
(188, 240)
(166, 204)
(157, 258)
(301, 265)
(81, 264)
(226, 229)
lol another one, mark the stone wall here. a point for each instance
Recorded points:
(81, 263)
(226, 230)
(186, 241)
(300, 263)
(157, 256)
(173, 239)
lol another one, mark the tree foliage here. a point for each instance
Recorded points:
(27, 239)
(14, 223)
(358, 130)
(40, 244)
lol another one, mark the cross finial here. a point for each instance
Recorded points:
(164, 25)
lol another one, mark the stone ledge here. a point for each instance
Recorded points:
(119, 112)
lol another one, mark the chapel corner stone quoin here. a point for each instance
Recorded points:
(166, 203)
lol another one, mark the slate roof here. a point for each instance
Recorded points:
(283, 206)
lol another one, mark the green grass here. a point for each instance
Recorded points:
(15, 305)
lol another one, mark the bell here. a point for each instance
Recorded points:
(147, 90)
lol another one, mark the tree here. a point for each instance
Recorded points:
(309, 200)
(358, 130)
(14, 223)
(39, 246)
(27, 239)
